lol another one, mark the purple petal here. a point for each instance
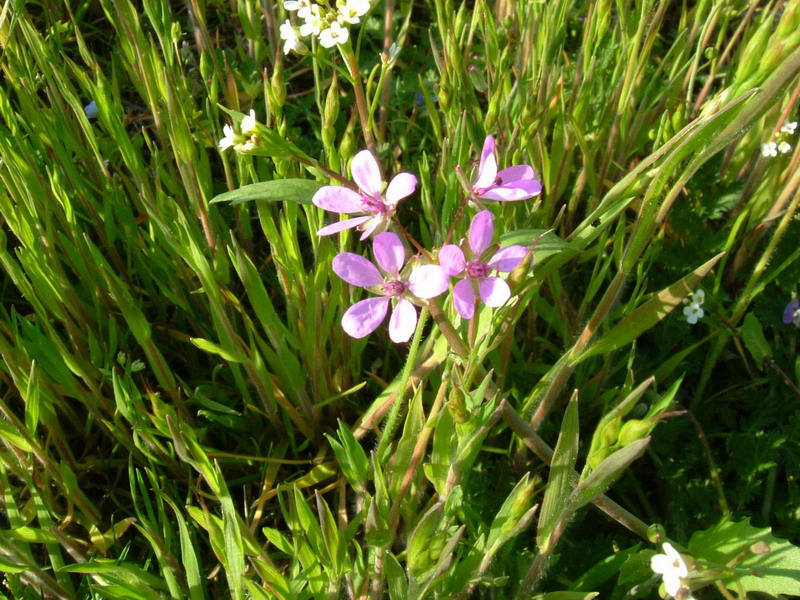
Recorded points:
(366, 173)
(389, 252)
(401, 185)
(342, 225)
(403, 322)
(428, 281)
(338, 199)
(464, 298)
(788, 314)
(488, 167)
(509, 257)
(363, 317)
(493, 291)
(515, 174)
(374, 223)
(481, 231)
(519, 190)
(356, 270)
(452, 259)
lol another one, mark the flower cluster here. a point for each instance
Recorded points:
(792, 313)
(693, 311)
(403, 284)
(673, 571)
(243, 142)
(322, 21)
(781, 145)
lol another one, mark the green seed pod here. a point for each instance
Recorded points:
(596, 457)
(711, 53)
(789, 24)
(457, 407)
(634, 430)
(278, 88)
(330, 114)
(677, 118)
(610, 433)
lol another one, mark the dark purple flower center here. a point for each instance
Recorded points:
(478, 270)
(393, 288)
(373, 205)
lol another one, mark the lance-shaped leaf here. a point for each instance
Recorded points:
(561, 470)
(278, 190)
(650, 313)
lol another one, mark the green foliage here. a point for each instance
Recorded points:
(182, 415)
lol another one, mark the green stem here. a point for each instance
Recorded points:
(391, 420)
(358, 89)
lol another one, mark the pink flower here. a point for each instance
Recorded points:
(368, 199)
(493, 291)
(426, 281)
(514, 183)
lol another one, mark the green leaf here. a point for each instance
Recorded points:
(30, 535)
(567, 596)
(607, 473)
(775, 572)
(561, 470)
(278, 190)
(351, 457)
(213, 348)
(549, 243)
(650, 313)
(754, 340)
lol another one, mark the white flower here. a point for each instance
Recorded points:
(389, 57)
(249, 123)
(291, 42)
(91, 110)
(313, 22)
(789, 127)
(671, 568)
(693, 312)
(231, 138)
(303, 7)
(335, 34)
(770, 149)
(352, 10)
(698, 297)
(784, 147)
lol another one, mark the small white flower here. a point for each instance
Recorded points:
(313, 23)
(698, 297)
(770, 149)
(671, 567)
(789, 127)
(303, 7)
(291, 41)
(784, 147)
(352, 10)
(693, 312)
(231, 138)
(335, 34)
(249, 123)
(91, 110)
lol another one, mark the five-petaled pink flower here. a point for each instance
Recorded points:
(368, 199)
(514, 183)
(493, 291)
(426, 281)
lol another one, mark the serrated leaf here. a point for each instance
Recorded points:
(754, 340)
(775, 572)
(277, 190)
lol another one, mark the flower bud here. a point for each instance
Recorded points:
(633, 430)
